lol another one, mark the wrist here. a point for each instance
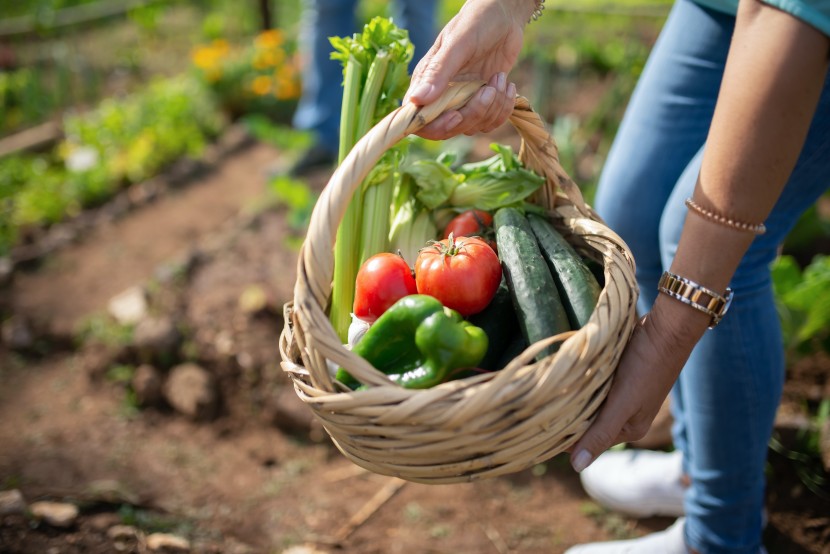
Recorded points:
(678, 325)
(521, 11)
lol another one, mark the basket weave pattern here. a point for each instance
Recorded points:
(479, 427)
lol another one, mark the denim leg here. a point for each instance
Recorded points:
(319, 107)
(730, 388)
(419, 18)
(665, 124)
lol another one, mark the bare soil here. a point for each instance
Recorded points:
(260, 476)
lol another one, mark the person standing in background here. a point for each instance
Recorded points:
(319, 107)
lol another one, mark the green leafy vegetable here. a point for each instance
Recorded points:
(488, 185)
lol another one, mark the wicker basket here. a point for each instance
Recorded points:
(482, 426)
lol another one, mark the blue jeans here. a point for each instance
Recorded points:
(319, 107)
(725, 399)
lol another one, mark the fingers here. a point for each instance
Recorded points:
(617, 422)
(599, 437)
(434, 72)
(497, 111)
(489, 108)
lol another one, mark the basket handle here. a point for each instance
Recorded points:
(315, 266)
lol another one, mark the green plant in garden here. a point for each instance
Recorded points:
(122, 141)
(283, 137)
(803, 299)
(136, 136)
(259, 77)
(297, 197)
(23, 99)
(101, 328)
(806, 454)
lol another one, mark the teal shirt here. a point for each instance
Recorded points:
(812, 12)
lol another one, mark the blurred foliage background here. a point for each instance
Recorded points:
(126, 87)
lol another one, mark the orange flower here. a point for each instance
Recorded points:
(221, 47)
(209, 57)
(269, 39)
(261, 85)
(204, 57)
(288, 83)
(288, 91)
(268, 58)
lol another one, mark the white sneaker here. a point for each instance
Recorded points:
(670, 541)
(638, 483)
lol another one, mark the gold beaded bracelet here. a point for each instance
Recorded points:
(537, 12)
(754, 228)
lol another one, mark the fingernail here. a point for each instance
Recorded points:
(511, 90)
(453, 121)
(421, 91)
(487, 95)
(581, 460)
(501, 81)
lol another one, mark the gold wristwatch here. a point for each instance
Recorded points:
(696, 295)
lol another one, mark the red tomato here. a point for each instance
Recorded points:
(381, 281)
(472, 223)
(463, 273)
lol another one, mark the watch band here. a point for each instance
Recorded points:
(696, 295)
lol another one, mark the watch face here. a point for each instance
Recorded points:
(722, 312)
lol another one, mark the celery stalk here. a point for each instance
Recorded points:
(377, 196)
(345, 246)
(349, 112)
(371, 93)
(370, 60)
(377, 200)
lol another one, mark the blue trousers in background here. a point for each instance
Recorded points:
(319, 107)
(724, 402)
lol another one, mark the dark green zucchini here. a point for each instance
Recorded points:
(532, 288)
(499, 322)
(577, 285)
(516, 347)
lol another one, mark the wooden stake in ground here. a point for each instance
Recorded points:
(392, 486)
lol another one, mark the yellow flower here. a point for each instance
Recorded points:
(221, 47)
(261, 85)
(213, 75)
(288, 83)
(209, 57)
(268, 58)
(288, 91)
(204, 57)
(269, 39)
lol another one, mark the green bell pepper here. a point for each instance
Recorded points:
(418, 342)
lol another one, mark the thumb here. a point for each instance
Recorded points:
(434, 72)
(600, 436)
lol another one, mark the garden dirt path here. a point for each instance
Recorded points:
(238, 484)
(79, 280)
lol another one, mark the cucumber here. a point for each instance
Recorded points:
(597, 270)
(532, 288)
(577, 285)
(499, 322)
(516, 347)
